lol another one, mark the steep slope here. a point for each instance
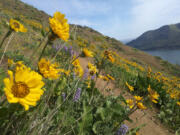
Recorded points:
(130, 64)
(37, 22)
(166, 37)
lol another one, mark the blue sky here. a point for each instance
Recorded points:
(121, 19)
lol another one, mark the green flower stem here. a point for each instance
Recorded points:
(75, 58)
(4, 38)
(54, 57)
(11, 37)
(37, 48)
(45, 46)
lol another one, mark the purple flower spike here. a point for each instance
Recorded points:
(92, 77)
(56, 47)
(74, 75)
(77, 95)
(85, 74)
(66, 48)
(71, 51)
(122, 130)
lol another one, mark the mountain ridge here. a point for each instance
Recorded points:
(165, 37)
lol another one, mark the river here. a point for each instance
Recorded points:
(172, 56)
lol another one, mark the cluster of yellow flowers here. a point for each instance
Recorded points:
(124, 63)
(171, 85)
(106, 78)
(48, 70)
(153, 95)
(81, 42)
(108, 55)
(110, 77)
(25, 86)
(77, 68)
(92, 69)
(138, 103)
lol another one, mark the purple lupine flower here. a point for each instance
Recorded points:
(71, 51)
(122, 130)
(64, 96)
(66, 48)
(85, 74)
(77, 95)
(92, 77)
(74, 75)
(56, 47)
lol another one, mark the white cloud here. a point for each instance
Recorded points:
(151, 14)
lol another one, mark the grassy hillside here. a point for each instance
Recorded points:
(37, 22)
(166, 37)
(64, 92)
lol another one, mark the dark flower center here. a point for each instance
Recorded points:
(16, 25)
(20, 90)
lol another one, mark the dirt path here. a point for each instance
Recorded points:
(139, 117)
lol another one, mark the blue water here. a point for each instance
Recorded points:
(172, 56)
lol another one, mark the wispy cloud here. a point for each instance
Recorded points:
(151, 14)
(122, 19)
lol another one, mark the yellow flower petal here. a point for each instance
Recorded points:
(19, 90)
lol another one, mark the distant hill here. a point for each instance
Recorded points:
(166, 37)
(125, 41)
(37, 23)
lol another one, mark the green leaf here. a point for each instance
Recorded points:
(96, 124)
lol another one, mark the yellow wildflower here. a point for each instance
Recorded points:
(108, 55)
(59, 26)
(141, 106)
(153, 95)
(25, 87)
(79, 71)
(77, 68)
(20, 66)
(87, 53)
(130, 103)
(175, 94)
(110, 77)
(76, 62)
(105, 78)
(92, 69)
(178, 103)
(10, 62)
(88, 84)
(111, 58)
(17, 26)
(48, 70)
(131, 88)
(138, 98)
(149, 69)
(66, 72)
